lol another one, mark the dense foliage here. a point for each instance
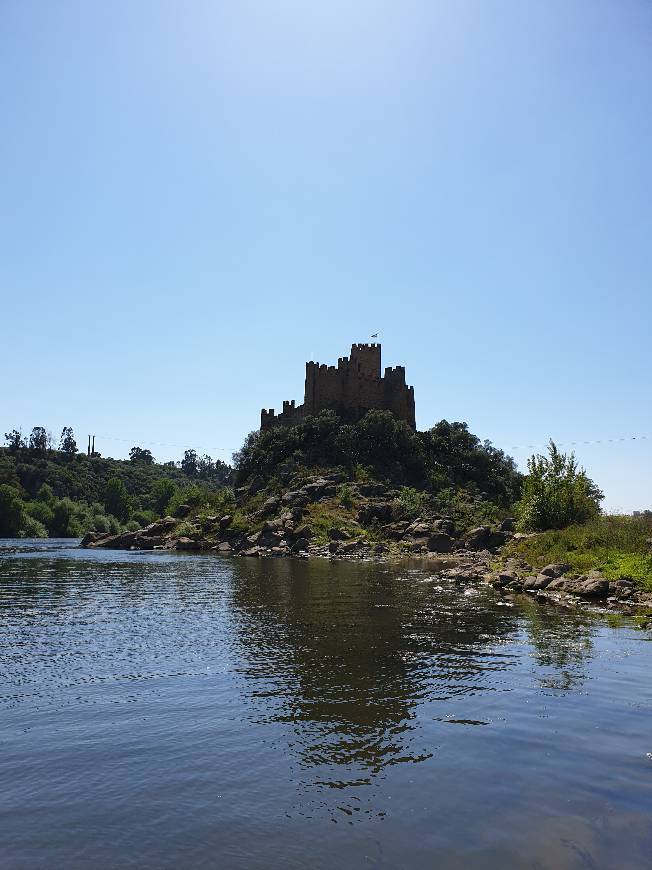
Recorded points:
(617, 546)
(47, 492)
(444, 457)
(556, 493)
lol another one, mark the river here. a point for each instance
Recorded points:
(180, 710)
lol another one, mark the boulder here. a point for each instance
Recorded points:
(352, 547)
(418, 529)
(273, 526)
(225, 522)
(270, 506)
(440, 543)
(502, 579)
(336, 534)
(508, 525)
(558, 584)
(120, 542)
(92, 538)
(300, 532)
(483, 538)
(371, 490)
(592, 587)
(187, 544)
(224, 547)
(375, 512)
(299, 546)
(446, 525)
(541, 581)
(182, 511)
(161, 527)
(554, 570)
(252, 552)
(395, 531)
(295, 497)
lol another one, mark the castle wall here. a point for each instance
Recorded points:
(351, 388)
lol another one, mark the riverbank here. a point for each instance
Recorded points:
(330, 517)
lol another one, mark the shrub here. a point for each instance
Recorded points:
(382, 447)
(41, 511)
(345, 494)
(63, 524)
(161, 493)
(11, 511)
(144, 518)
(410, 503)
(32, 528)
(116, 499)
(556, 493)
(186, 529)
(45, 494)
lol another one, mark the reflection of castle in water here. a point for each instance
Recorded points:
(347, 652)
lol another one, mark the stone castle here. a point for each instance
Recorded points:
(351, 388)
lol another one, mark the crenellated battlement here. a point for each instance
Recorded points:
(351, 388)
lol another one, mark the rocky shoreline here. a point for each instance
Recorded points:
(283, 526)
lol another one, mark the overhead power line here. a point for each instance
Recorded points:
(539, 446)
(576, 443)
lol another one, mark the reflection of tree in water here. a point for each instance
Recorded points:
(562, 641)
(347, 651)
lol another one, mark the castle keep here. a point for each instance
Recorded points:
(351, 388)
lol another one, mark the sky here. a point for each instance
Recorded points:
(198, 197)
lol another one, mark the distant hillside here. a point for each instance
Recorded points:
(61, 492)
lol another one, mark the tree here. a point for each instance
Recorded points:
(11, 511)
(161, 493)
(116, 499)
(67, 443)
(189, 463)
(556, 493)
(205, 467)
(138, 454)
(38, 439)
(14, 440)
(45, 494)
(62, 511)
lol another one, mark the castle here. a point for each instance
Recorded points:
(351, 388)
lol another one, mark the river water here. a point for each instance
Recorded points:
(176, 710)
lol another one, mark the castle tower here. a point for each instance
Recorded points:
(351, 388)
(365, 360)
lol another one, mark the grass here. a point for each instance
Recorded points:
(617, 546)
(322, 516)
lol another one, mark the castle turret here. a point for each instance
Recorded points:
(365, 359)
(351, 388)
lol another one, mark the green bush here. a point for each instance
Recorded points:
(615, 545)
(556, 493)
(32, 528)
(345, 494)
(144, 518)
(381, 447)
(116, 499)
(410, 503)
(11, 511)
(41, 511)
(161, 493)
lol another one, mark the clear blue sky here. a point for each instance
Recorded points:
(197, 197)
